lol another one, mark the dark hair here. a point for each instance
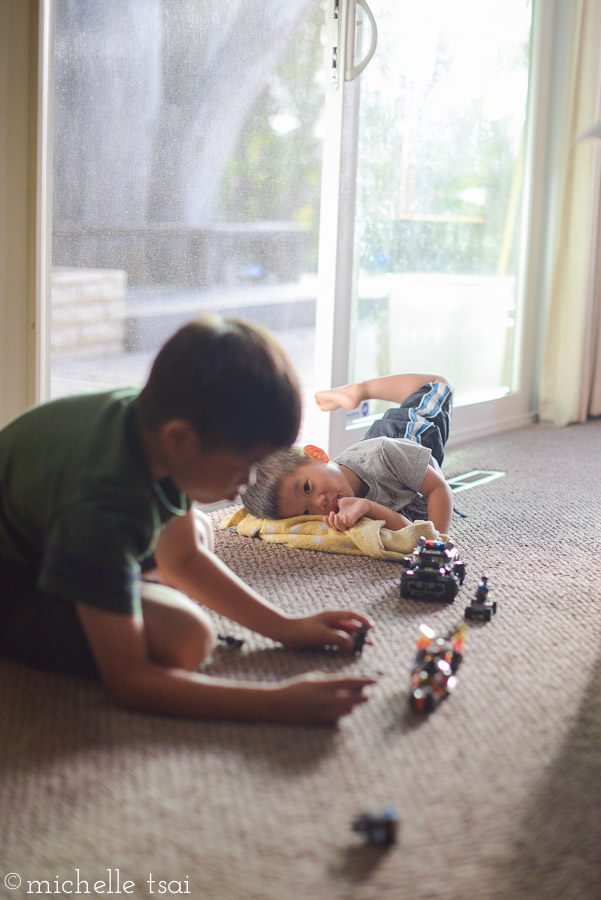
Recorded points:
(230, 380)
(261, 498)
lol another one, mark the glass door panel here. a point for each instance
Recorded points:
(439, 178)
(187, 173)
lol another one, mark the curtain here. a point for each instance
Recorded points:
(570, 386)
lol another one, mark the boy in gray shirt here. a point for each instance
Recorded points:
(393, 474)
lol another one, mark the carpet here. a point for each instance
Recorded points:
(498, 791)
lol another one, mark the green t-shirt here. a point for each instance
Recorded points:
(78, 507)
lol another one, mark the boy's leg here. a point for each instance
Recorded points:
(178, 632)
(204, 529)
(424, 416)
(394, 388)
(42, 630)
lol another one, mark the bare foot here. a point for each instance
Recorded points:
(349, 396)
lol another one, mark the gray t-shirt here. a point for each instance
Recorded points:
(393, 470)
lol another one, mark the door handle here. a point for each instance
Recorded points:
(352, 71)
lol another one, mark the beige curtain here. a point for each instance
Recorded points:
(570, 388)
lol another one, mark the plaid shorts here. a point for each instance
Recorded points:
(424, 417)
(40, 629)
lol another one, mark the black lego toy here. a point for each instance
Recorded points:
(481, 608)
(359, 640)
(230, 641)
(433, 572)
(379, 828)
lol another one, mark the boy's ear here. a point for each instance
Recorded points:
(317, 453)
(176, 434)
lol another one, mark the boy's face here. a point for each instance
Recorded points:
(222, 474)
(207, 476)
(314, 489)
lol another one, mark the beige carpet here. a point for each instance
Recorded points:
(499, 790)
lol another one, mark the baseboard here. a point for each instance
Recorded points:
(464, 433)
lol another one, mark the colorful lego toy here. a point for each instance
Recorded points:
(433, 572)
(433, 672)
(379, 828)
(481, 608)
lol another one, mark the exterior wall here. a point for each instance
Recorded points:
(88, 309)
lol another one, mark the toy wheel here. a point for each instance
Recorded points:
(456, 661)
(450, 591)
(418, 704)
(421, 702)
(405, 586)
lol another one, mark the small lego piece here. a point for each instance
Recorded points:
(379, 828)
(360, 639)
(230, 641)
(481, 608)
(433, 572)
(432, 675)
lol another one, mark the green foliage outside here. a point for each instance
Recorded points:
(275, 173)
(463, 167)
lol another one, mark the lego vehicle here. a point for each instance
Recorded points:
(433, 572)
(433, 672)
(481, 608)
(379, 828)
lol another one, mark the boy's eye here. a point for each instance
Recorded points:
(306, 512)
(306, 487)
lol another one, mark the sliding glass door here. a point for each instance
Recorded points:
(433, 202)
(207, 156)
(187, 168)
(439, 180)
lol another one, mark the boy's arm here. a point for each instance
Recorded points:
(439, 498)
(351, 509)
(434, 488)
(119, 647)
(201, 575)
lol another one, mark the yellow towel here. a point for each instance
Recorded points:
(368, 537)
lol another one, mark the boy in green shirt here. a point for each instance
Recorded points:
(94, 487)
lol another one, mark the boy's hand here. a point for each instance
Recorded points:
(330, 628)
(316, 699)
(350, 510)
